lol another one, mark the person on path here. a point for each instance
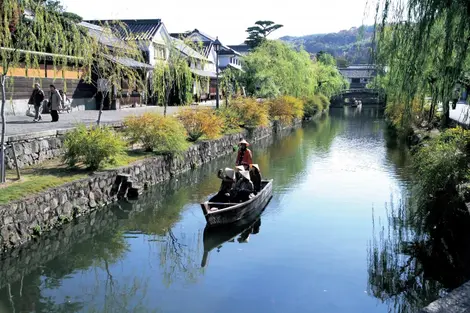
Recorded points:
(244, 156)
(55, 102)
(37, 97)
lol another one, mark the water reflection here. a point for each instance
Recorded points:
(146, 255)
(415, 259)
(215, 238)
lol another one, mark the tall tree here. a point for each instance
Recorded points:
(31, 25)
(275, 69)
(115, 61)
(258, 34)
(415, 39)
(172, 79)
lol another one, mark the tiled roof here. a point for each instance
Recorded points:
(203, 73)
(206, 42)
(187, 50)
(240, 48)
(180, 35)
(136, 29)
(357, 73)
(206, 46)
(103, 37)
(228, 51)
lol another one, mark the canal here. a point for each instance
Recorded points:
(335, 237)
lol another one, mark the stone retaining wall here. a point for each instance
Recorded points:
(458, 301)
(35, 148)
(60, 243)
(24, 219)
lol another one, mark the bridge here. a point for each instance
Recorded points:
(365, 95)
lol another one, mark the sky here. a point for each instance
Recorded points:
(229, 19)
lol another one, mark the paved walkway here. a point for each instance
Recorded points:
(22, 125)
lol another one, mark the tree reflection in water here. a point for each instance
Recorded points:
(418, 256)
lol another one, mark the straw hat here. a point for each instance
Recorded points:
(245, 174)
(240, 168)
(256, 166)
(243, 142)
(230, 173)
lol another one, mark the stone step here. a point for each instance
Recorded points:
(134, 192)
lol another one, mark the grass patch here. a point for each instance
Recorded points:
(233, 131)
(128, 158)
(52, 174)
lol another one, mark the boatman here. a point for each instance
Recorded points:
(244, 157)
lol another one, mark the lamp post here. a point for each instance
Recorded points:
(217, 46)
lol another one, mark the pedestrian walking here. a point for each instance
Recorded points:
(37, 97)
(55, 102)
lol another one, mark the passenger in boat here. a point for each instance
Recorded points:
(244, 157)
(255, 176)
(227, 185)
(244, 188)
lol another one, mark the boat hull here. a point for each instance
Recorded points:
(238, 213)
(215, 236)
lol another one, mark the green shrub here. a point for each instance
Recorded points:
(156, 133)
(251, 112)
(313, 105)
(441, 164)
(231, 119)
(93, 147)
(325, 101)
(286, 109)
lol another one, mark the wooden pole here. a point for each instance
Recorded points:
(18, 175)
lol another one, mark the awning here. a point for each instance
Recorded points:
(204, 73)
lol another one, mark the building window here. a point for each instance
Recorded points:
(159, 52)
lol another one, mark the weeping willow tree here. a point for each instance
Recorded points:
(330, 81)
(230, 83)
(275, 69)
(30, 31)
(425, 45)
(416, 254)
(172, 80)
(115, 62)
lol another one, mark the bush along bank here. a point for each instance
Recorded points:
(442, 175)
(28, 217)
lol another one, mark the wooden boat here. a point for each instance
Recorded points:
(215, 237)
(217, 213)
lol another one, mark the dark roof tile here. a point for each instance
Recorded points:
(136, 29)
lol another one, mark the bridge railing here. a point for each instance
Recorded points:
(361, 90)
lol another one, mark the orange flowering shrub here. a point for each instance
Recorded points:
(156, 133)
(286, 109)
(251, 112)
(201, 122)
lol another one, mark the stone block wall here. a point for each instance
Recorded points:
(31, 149)
(22, 220)
(35, 149)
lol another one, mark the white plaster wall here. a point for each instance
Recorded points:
(224, 60)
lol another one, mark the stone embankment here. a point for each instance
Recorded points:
(24, 219)
(457, 301)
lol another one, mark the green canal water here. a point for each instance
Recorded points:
(331, 240)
